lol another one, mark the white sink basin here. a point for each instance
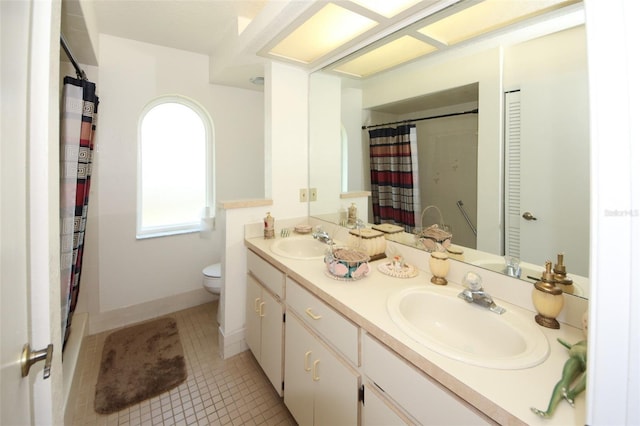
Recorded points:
(436, 318)
(300, 247)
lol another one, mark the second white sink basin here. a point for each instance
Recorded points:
(299, 247)
(436, 318)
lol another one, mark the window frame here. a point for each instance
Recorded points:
(208, 208)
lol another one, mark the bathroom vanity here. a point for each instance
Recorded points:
(338, 357)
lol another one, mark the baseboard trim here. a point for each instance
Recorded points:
(231, 344)
(117, 318)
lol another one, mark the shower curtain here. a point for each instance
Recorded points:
(392, 175)
(77, 129)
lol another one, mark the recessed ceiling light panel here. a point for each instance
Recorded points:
(485, 17)
(387, 8)
(387, 56)
(331, 27)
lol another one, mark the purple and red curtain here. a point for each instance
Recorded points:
(392, 176)
(77, 129)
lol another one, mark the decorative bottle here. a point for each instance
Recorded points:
(269, 231)
(353, 214)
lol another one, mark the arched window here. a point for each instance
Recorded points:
(175, 167)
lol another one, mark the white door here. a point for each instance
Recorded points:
(271, 340)
(252, 325)
(298, 365)
(559, 200)
(28, 220)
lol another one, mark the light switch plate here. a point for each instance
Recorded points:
(313, 194)
(303, 195)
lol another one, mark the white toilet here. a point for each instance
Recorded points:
(212, 281)
(212, 278)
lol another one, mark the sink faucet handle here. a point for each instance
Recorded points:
(512, 266)
(472, 281)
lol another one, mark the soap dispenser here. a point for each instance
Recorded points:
(547, 299)
(560, 275)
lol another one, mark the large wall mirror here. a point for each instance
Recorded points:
(507, 160)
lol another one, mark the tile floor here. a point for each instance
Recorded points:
(217, 392)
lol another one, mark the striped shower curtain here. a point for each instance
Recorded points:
(77, 129)
(392, 176)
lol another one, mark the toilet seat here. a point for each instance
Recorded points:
(212, 271)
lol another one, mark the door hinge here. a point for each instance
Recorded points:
(361, 394)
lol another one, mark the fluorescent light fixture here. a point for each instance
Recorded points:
(389, 55)
(387, 8)
(487, 16)
(331, 27)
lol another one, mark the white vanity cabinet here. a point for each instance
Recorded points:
(411, 391)
(264, 317)
(320, 386)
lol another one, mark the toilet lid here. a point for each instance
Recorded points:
(212, 271)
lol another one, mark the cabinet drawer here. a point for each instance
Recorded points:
(267, 274)
(336, 329)
(414, 391)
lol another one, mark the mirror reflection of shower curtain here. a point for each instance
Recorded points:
(77, 130)
(392, 176)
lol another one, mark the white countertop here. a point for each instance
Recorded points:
(504, 395)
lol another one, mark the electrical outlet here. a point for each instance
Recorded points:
(303, 195)
(313, 194)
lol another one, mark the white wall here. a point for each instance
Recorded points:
(161, 274)
(614, 348)
(325, 148)
(286, 152)
(286, 138)
(358, 156)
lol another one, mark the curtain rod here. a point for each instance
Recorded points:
(473, 111)
(79, 71)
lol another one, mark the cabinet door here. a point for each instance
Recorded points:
(298, 383)
(377, 411)
(252, 332)
(270, 311)
(336, 392)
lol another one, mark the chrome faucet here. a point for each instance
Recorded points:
(512, 267)
(474, 293)
(322, 236)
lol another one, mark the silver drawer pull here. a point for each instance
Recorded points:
(312, 315)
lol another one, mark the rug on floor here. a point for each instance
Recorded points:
(139, 362)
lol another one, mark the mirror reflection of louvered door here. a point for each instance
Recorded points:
(547, 175)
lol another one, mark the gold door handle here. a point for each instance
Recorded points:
(261, 311)
(255, 305)
(29, 357)
(315, 370)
